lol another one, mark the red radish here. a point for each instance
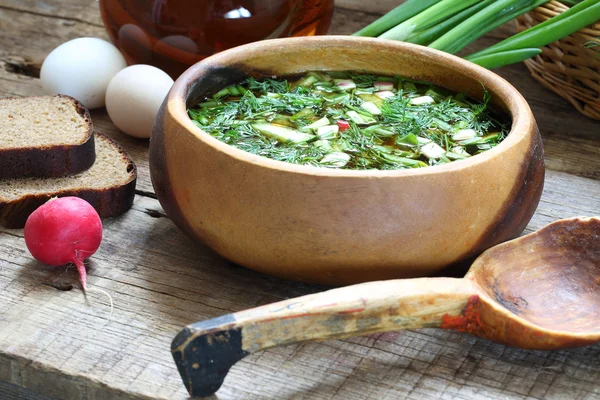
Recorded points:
(64, 230)
(343, 125)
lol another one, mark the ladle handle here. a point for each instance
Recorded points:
(204, 352)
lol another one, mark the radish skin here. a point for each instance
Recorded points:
(64, 230)
(343, 125)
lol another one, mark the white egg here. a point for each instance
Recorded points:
(134, 96)
(82, 68)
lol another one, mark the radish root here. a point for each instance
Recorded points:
(82, 272)
(94, 289)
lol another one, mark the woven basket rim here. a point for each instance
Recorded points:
(566, 66)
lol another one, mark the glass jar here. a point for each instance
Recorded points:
(174, 34)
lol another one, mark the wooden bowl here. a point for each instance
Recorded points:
(343, 226)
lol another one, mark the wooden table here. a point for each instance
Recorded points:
(54, 344)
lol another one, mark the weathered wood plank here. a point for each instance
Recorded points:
(54, 343)
(160, 281)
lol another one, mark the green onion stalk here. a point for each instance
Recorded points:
(408, 9)
(429, 35)
(427, 18)
(451, 25)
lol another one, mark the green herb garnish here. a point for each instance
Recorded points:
(350, 120)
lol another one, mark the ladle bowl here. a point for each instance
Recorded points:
(540, 291)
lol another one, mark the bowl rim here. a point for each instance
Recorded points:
(518, 109)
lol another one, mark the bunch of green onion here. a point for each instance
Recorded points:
(450, 25)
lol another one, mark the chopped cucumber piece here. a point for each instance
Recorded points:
(328, 131)
(335, 159)
(442, 125)
(460, 151)
(360, 119)
(342, 145)
(408, 162)
(455, 156)
(364, 91)
(371, 108)
(380, 85)
(307, 81)
(489, 138)
(378, 130)
(282, 120)
(303, 113)
(411, 139)
(367, 97)
(325, 86)
(320, 76)
(323, 145)
(433, 150)
(322, 122)
(385, 94)
(417, 101)
(282, 134)
(464, 134)
(335, 97)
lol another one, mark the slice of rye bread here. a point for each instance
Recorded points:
(46, 136)
(108, 185)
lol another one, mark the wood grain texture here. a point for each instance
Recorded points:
(160, 282)
(54, 343)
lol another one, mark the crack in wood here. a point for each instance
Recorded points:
(155, 291)
(155, 213)
(21, 66)
(3, 231)
(60, 285)
(146, 193)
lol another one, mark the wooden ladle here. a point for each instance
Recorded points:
(540, 291)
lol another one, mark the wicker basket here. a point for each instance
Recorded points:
(567, 67)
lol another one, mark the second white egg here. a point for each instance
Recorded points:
(134, 96)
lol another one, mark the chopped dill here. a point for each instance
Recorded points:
(350, 120)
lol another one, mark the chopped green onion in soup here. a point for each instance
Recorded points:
(350, 120)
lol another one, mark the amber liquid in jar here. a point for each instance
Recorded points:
(174, 34)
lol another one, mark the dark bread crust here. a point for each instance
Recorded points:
(50, 161)
(108, 202)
